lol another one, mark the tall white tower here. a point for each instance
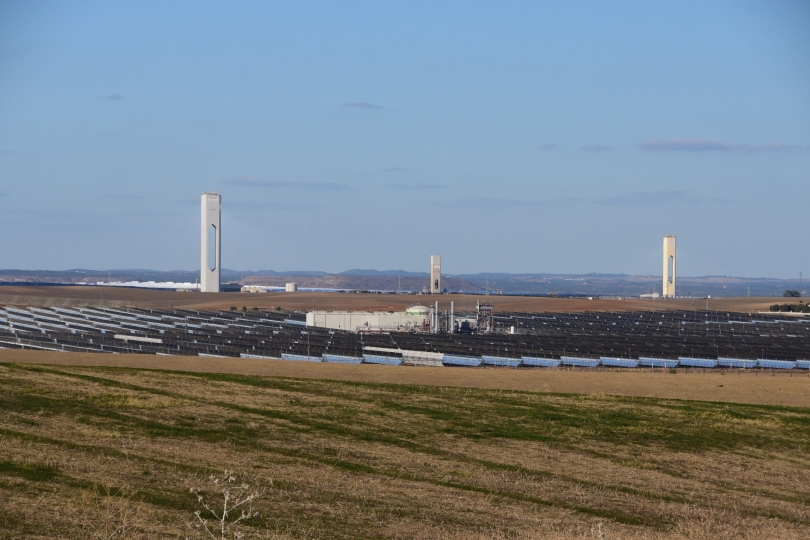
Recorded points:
(211, 231)
(670, 262)
(435, 274)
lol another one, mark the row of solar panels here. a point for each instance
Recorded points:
(340, 359)
(108, 319)
(572, 361)
(682, 321)
(722, 317)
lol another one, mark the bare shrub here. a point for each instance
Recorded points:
(231, 505)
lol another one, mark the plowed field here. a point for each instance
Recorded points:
(127, 297)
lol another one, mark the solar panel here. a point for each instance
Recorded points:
(377, 359)
(647, 361)
(18, 317)
(500, 361)
(579, 361)
(612, 361)
(26, 327)
(697, 362)
(67, 311)
(454, 360)
(539, 362)
(776, 364)
(301, 357)
(17, 311)
(340, 359)
(736, 362)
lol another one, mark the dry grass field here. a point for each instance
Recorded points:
(126, 297)
(112, 452)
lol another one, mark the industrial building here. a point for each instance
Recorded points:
(253, 289)
(670, 264)
(415, 318)
(211, 235)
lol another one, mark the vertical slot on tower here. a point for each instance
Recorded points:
(671, 268)
(212, 247)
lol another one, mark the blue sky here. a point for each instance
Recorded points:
(506, 136)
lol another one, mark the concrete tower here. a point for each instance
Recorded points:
(435, 274)
(670, 262)
(211, 231)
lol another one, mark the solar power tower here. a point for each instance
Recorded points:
(670, 261)
(211, 232)
(435, 274)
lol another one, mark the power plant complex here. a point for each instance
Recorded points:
(211, 255)
(422, 334)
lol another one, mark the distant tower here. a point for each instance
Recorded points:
(211, 231)
(670, 262)
(435, 274)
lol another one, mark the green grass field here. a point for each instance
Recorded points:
(110, 452)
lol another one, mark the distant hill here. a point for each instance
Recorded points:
(593, 284)
(363, 283)
(402, 273)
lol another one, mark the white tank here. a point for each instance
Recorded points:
(423, 311)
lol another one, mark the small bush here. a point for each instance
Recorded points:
(791, 308)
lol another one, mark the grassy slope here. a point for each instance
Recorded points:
(81, 448)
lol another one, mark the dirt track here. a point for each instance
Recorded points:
(129, 297)
(734, 386)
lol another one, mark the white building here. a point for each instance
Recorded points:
(253, 289)
(413, 318)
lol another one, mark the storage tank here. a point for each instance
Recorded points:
(422, 311)
(292, 287)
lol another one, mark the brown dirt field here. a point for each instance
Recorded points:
(127, 297)
(733, 386)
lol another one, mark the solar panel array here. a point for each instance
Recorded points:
(665, 339)
(665, 335)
